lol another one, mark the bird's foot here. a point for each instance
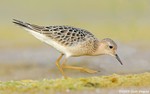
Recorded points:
(79, 68)
(88, 70)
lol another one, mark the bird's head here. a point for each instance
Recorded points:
(109, 47)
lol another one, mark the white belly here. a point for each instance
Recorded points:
(49, 41)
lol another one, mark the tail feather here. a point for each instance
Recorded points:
(27, 25)
(22, 24)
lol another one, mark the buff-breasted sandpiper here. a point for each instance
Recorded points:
(71, 42)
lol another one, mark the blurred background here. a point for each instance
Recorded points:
(24, 57)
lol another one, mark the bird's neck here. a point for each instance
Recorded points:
(100, 49)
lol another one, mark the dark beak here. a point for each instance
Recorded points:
(117, 57)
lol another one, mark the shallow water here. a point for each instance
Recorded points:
(39, 62)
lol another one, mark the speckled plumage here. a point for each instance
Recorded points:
(67, 36)
(71, 42)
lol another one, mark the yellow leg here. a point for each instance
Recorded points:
(77, 68)
(59, 67)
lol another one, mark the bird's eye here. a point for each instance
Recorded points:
(110, 47)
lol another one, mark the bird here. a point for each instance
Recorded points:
(71, 42)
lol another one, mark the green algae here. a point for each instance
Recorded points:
(75, 84)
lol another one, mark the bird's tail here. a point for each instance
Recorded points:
(27, 25)
(22, 24)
